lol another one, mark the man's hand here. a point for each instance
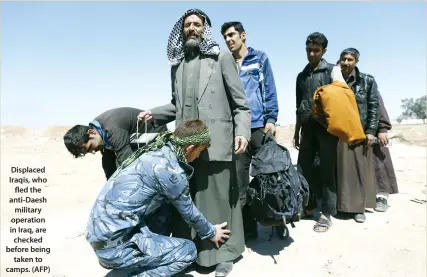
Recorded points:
(221, 234)
(270, 126)
(370, 139)
(146, 116)
(296, 141)
(383, 139)
(240, 144)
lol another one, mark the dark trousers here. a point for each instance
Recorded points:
(316, 139)
(110, 163)
(243, 162)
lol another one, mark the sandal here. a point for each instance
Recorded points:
(322, 225)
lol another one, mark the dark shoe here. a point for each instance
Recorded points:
(382, 205)
(360, 218)
(223, 269)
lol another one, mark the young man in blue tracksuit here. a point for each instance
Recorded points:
(258, 82)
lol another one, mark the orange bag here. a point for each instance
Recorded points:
(337, 109)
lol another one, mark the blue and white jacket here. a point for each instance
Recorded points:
(258, 82)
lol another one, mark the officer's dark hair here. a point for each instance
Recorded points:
(190, 128)
(75, 138)
(317, 38)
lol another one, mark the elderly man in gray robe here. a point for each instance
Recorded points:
(206, 86)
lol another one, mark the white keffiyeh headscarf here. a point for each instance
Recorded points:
(176, 40)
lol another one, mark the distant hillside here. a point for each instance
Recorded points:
(415, 134)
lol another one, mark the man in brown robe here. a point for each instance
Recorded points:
(355, 174)
(385, 176)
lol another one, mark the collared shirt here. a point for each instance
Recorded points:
(351, 78)
(238, 63)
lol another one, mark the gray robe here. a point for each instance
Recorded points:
(355, 178)
(221, 103)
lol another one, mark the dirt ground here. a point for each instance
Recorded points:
(386, 245)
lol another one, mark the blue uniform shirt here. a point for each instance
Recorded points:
(138, 190)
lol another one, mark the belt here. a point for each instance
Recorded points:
(100, 245)
(104, 265)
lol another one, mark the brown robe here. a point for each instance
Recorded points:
(384, 171)
(355, 178)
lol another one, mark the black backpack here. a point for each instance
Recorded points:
(278, 192)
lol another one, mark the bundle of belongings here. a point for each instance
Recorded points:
(278, 192)
(143, 138)
(335, 107)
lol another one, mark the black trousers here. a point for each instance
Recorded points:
(109, 161)
(243, 162)
(315, 140)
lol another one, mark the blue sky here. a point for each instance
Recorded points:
(64, 63)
